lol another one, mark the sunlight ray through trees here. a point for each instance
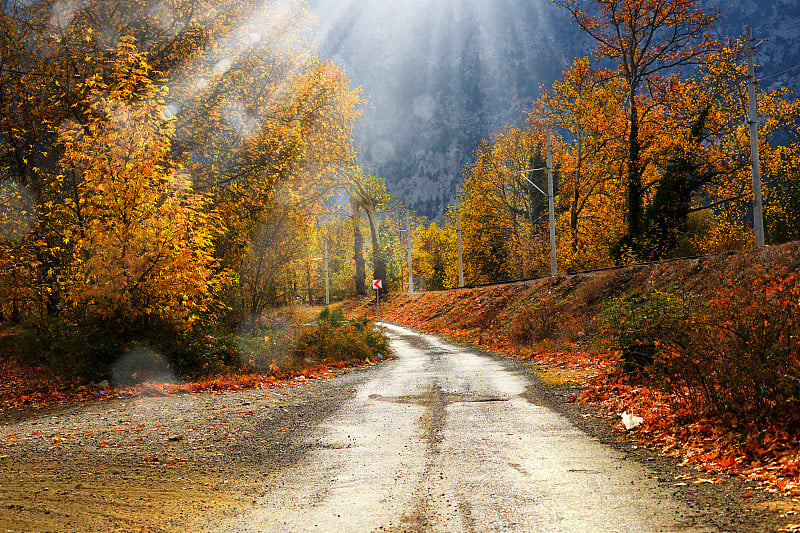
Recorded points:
(163, 165)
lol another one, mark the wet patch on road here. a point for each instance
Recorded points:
(446, 397)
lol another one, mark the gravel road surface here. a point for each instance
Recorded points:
(445, 439)
(440, 438)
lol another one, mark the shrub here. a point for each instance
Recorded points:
(337, 338)
(534, 324)
(637, 324)
(129, 353)
(739, 352)
(91, 348)
(202, 351)
(74, 350)
(268, 341)
(141, 364)
(735, 354)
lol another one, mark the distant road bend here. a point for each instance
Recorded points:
(447, 439)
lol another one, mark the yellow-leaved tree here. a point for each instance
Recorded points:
(135, 239)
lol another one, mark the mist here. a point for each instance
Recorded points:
(440, 76)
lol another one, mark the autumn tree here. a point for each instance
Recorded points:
(675, 145)
(645, 39)
(267, 122)
(435, 255)
(504, 215)
(368, 194)
(334, 234)
(50, 48)
(251, 142)
(394, 244)
(277, 171)
(250, 104)
(268, 276)
(586, 105)
(685, 172)
(783, 218)
(138, 239)
(122, 247)
(485, 221)
(17, 277)
(704, 159)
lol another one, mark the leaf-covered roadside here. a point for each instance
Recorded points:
(30, 388)
(277, 353)
(715, 381)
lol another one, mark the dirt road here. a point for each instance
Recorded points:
(444, 439)
(439, 439)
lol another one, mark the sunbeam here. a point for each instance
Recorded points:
(440, 76)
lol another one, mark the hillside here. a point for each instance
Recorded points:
(442, 76)
(723, 389)
(569, 304)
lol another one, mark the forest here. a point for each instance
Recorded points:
(651, 158)
(651, 155)
(162, 172)
(170, 174)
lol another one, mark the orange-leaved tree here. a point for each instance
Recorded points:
(134, 239)
(586, 103)
(645, 39)
(702, 200)
(504, 214)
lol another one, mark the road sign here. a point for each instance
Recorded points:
(377, 284)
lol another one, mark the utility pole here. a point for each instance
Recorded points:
(550, 201)
(308, 278)
(458, 233)
(410, 271)
(758, 215)
(551, 206)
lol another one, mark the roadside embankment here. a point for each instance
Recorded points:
(703, 350)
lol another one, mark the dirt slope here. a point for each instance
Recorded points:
(562, 310)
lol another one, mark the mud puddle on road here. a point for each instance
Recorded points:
(428, 498)
(449, 440)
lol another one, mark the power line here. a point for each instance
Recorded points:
(781, 72)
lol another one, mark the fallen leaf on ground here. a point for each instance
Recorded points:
(712, 480)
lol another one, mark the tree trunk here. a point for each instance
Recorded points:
(358, 246)
(634, 176)
(308, 280)
(378, 262)
(576, 196)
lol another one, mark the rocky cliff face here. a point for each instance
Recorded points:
(778, 21)
(441, 76)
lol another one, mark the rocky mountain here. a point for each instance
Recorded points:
(777, 21)
(442, 75)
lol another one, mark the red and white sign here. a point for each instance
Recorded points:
(377, 284)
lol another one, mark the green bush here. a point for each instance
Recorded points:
(268, 341)
(635, 325)
(72, 350)
(735, 354)
(129, 353)
(336, 338)
(90, 349)
(202, 351)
